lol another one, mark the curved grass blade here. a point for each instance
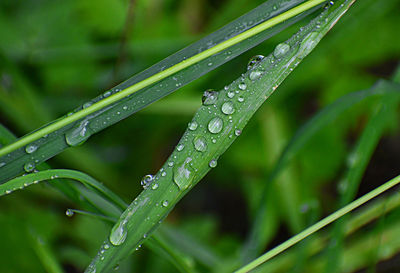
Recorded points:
(152, 84)
(213, 129)
(314, 228)
(382, 88)
(358, 160)
(48, 175)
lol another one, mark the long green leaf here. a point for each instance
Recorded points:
(151, 85)
(213, 129)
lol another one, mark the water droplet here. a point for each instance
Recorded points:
(180, 147)
(78, 134)
(209, 97)
(238, 132)
(165, 203)
(118, 233)
(215, 125)
(242, 86)
(87, 104)
(107, 94)
(125, 108)
(8, 191)
(255, 74)
(200, 143)
(69, 213)
(183, 174)
(240, 99)
(2, 164)
(281, 50)
(163, 174)
(308, 44)
(228, 108)
(30, 148)
(29, 167)
(193, 125)
(146, 181)
(213, 163)
(230, 94)
(154, 186)
(254, 61)
(171, 164)
(116, 267)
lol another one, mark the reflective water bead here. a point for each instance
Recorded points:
(183, 174)
(118, 233)
(242, 86)
(308, 44)
(180, 147)
(154, 186)
(87, 104)
(146, 181)
(30, 148)
(281, 50)
(209, 97)
(240, 99)
(193, 125)
(230, 94)
(215, 125)
(213, 163)
(200, 143)
(29, 167)
(238, 132)
(69, 212)
(165, 203)
(255, 74)
(254, 61)
(228, 108)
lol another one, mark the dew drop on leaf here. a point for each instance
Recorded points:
(215, 125)
(213, 163)
(209, 97)
(255, 74)
(146, 181)
(69, 213)
(228, 108)
(193, 125)
(30, 148)
(254, 61)
(78, 134)
(118, 233)
(200, 143)
(242, 86)
(29, 167)
(183, 174)
(281, 50)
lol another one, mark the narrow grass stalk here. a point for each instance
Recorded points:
(324, 222)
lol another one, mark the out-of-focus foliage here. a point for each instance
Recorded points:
(54, 55)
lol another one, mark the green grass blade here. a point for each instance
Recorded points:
(152, 84)
(48, 175)
(324, 222)
(213, 129)
(382, 88)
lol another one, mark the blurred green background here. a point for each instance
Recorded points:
(55, 55)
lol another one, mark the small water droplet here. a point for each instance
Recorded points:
(209, 97)
(69, 213)
(242, 86)
(29, 167)
(154, 186)
(193, 125)
(165, 203)
(215, 125)
(254, 61)
(146, 181)
(228, 108)
(281, 50)
(171, 163)
(2, 164)
(30, 148)
(213, 163)
(106, 246)
(240, 99)
(255, 74)
(125, 108)
(180, 147)
(200, 143)
(238, 132)
(230, 94)
(163, 174)
(87, 104)
(8, 191)
(118, 233)
(107, 94)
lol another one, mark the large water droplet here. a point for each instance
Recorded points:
(146, 181)
(281, 50)
(230, 94)
(240, 99)
(30, 148)
(238, 132)
(209, 97)
(165, 203)
(255, 74)
(200, 143)
(78, 134)
(254, 61)
(180, 147)
(228, 108)
(118, 233)
(308, 44)
(193, 125)
(215, 125)
(29, 167)
(183, 174)
(213, 163)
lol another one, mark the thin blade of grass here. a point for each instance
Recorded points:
(324, 222)
(152, 84)
(254, 242)
(213, 129)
